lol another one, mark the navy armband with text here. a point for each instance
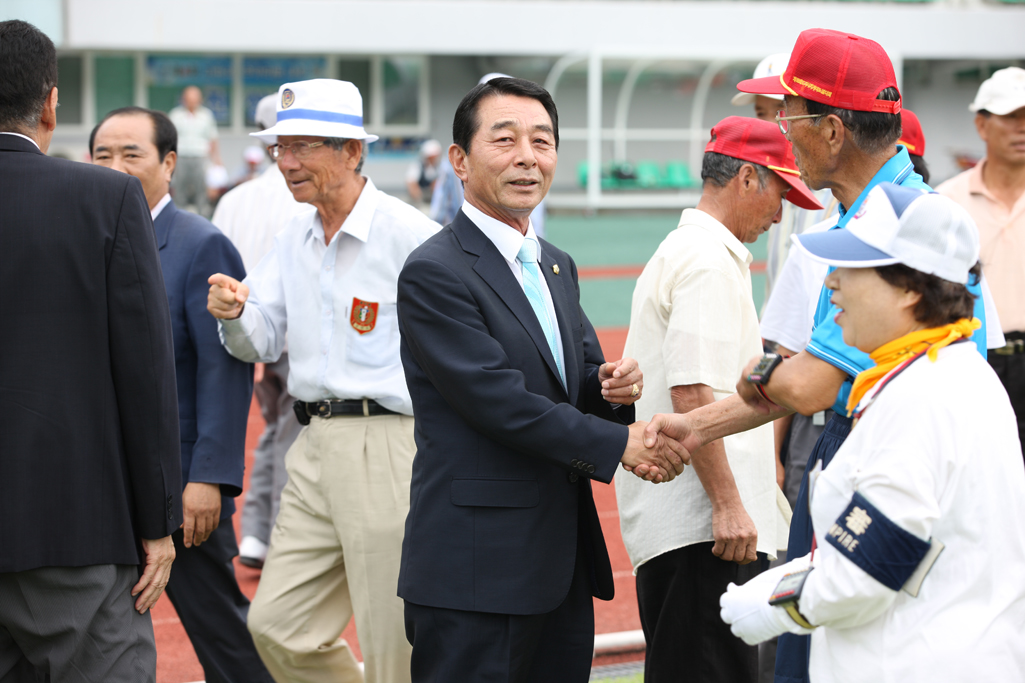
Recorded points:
(871, 540)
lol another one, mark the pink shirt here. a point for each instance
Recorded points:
(1002, 242)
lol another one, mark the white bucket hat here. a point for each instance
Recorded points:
(1001, 93)
(323, 107)
(773, 65)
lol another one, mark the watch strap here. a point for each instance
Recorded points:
(795, 614)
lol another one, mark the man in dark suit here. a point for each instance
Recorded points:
(90, 474)
(516, 411)
(214, 393)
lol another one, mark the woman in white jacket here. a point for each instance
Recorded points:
(918, 571)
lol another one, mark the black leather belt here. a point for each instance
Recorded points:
(304, 410)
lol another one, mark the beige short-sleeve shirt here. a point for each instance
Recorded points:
(1001, 242)
(693, 321)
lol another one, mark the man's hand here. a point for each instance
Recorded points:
(621, 381)
(201, 504)
(750, 393)
(736, 538)
(159, 556)
(227, 297)
(661, 462)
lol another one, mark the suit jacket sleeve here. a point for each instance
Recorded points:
(448, 336)
(224, 385)
(142, 364)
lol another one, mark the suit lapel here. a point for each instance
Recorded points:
(494, 270)
(557, 284)
(162, 225)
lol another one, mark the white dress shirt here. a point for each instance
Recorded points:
(307, 288)
(693, 321)
(254, 212)
(508, 241)
(7, 132)
(155, 211)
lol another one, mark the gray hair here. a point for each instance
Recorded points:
(871, 132)
(719, 169)
(338, 144)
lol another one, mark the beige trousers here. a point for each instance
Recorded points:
(334, 554)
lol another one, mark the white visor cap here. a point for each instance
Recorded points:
(322, 107)
(1002, 93)
(925, 231)
(773, 65)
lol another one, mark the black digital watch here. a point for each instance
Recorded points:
(788, 592)
(762, 371)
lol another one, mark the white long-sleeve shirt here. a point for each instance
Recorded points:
(315, 292)
(938, 454)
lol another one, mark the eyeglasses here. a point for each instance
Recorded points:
(300, 150)
(781, 121)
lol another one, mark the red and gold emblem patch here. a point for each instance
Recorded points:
(363, 316)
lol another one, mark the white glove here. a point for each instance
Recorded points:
(746, 608)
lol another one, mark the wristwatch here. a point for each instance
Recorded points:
(788, 592)
(762, 371)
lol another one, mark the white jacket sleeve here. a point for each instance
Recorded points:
(258, 335)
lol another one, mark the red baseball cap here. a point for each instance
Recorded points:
(911, 135)
(835, 68)
(760, 142)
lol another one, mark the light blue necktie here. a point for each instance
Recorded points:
(532, 288)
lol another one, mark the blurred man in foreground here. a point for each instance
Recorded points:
(214, 392)
(90, 469)
(693, 327)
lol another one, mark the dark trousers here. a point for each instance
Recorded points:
(793, 651)
(1011, 371)
(678, 595)
(74, 625)
(213, 610)
(453, 646)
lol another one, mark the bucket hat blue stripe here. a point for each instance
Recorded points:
(317, 115)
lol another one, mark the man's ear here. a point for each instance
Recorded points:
(833, 133)
(169, 163)
(457, 157)
(747, 180)
(353, 153)
(48, 117)
(980, 126)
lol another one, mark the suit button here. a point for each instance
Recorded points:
(574, 462)
(573, 476)
(590, 469)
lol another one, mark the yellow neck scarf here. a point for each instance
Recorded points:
(890, 355)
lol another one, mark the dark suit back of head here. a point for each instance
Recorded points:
(89, 445)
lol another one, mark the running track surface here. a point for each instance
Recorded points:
(610, 252)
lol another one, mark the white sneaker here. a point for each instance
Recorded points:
(252, 552)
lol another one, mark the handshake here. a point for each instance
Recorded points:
(656, 450)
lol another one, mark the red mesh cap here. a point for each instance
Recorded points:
(835, 68)
(760, 142)
(911, 135)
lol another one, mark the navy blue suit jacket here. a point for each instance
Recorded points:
(214, 388)
(500, 484)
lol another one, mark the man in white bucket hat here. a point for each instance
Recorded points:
(330, 282)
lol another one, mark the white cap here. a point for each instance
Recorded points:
(1001, 93)
(267, 111)
(773, 65)
(254, 154)
(217, 177)
(922, 230)
(323, 107)
(494, 74)
(430, 148)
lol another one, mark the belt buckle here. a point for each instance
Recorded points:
(324, 409)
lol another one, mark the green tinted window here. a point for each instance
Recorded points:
(69, 90)
(115, 84)
(357, 72)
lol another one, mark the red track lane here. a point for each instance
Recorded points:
(176, 660)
